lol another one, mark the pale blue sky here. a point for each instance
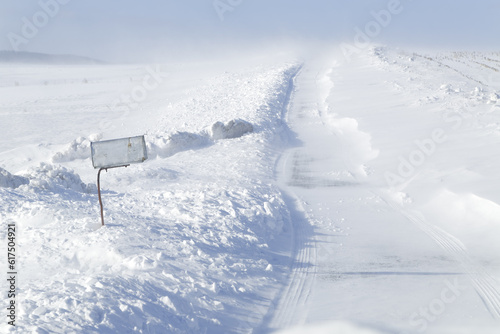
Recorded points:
(128, 29)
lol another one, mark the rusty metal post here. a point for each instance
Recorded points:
(99, 189)
(99, 192)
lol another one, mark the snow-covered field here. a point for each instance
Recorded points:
(338, 196)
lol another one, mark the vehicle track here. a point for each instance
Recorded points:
(484, 284)
(288, 308)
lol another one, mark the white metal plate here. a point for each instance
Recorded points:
(118, 152)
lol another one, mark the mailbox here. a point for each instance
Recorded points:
(118, 152)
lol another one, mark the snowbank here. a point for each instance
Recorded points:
(7, 180)
(77, 149)
(56, 179)
(164, 147)
(232, 129)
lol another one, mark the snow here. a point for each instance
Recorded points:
(166, 146)
(186, 238)
(232, 129)
(316, 195)
(387, 249)
(55, 179)
(330, 327)
(7, 180)
(77, 149)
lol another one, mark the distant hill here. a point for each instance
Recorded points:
(43, 58)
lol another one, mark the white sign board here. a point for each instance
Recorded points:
(118, 152)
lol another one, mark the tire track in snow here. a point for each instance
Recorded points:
(484, 284)
(288, 308)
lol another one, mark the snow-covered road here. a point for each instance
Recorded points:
(362, 252)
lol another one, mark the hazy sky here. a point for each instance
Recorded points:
(127, 29)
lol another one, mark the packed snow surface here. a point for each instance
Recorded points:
(319, 195)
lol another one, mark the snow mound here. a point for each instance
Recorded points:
(7, 180)
(77, 149)
(57, 178)
(164, 147)
(232, 129)
(180, 141)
